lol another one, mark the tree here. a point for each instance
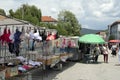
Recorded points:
(61, 29)
(2, 12)
(11, 13)
(28, 13)
(69, 23)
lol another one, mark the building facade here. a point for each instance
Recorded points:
(114, 30)
(48, 19)
(12, 24)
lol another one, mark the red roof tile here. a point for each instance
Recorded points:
(48, 19)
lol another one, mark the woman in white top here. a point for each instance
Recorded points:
(105, 53)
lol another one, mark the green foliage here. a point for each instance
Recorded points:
(111, 37)
(69, 23)
(28, 13)
(11, 12)
(2, 12)
(61, 30)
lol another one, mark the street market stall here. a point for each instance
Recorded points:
(89, 41)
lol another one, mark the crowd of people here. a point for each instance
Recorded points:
(100, 49)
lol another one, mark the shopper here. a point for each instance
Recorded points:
(96, 52)
(119, 55)
(105, 53)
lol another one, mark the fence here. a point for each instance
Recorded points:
(48, 52)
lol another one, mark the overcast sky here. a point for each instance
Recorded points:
(92, 14)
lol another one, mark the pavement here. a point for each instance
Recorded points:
(82, 71)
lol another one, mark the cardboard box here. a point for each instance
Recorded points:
(11, 71)
(46, 61)
(2, 75)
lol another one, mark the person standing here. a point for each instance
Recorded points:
(96, 52)
(105, 53)
(119, 55)
(114, 50)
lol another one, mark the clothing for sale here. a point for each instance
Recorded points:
(17, 36)
(17, 41)
(8, 36)
(31, 44)
(21, 69)
(21, 58)
(26, 67)
(31, 41)
(11, 37)
(11, 47)
(5, 36)
(27, 36)
(16, 48)
(33, 63)
(37, 36)
(44, 36)
(31, 35)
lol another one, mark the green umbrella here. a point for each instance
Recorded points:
(91, 38)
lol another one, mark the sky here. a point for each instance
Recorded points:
(91, 14)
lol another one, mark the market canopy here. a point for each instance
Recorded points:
(114, 41)
(91, 38)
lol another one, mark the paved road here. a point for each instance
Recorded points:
(82, 71)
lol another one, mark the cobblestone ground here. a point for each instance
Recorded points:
(83, 71)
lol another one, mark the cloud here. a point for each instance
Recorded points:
(6, 4)
(98, 14)
(53, 10)
(107, 6)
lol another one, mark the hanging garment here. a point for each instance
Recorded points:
(3, 37)
(11, 47)
(17, 41)
(8, 36)
(17, 36)
(9, 41)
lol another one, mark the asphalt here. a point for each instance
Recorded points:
(82, 71)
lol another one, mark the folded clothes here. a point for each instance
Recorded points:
(26, 67)
(21, 58)
(21, 69)
(33, 63)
